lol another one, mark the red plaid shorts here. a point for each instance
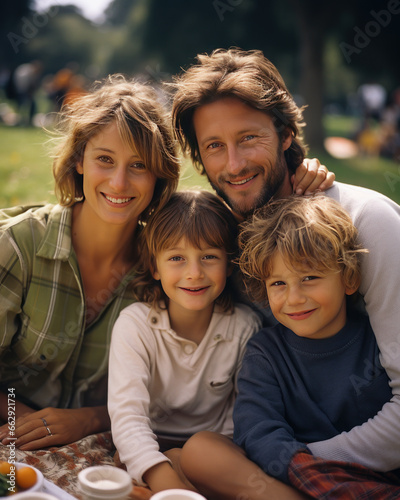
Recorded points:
(328, 479)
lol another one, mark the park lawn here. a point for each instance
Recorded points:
(25, 167)
(380, 174)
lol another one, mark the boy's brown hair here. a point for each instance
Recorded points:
(197, 217)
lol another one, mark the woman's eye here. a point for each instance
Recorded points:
(104, 159)
(139, 165)
(249, 137)
(213, 145)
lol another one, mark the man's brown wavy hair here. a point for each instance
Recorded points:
(247, 76)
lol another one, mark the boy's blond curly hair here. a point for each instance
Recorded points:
(307, 231)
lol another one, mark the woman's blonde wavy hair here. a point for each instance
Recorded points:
(307, 231)
(142, 123)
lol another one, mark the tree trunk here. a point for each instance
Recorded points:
(312, 87)
(312, 21)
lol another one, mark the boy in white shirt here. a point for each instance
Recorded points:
(175, 355)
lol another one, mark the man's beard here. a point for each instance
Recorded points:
(272, 185)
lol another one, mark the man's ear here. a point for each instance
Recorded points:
(287, 138)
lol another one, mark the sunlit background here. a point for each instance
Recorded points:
(340, 59)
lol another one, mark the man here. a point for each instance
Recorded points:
(235, 117)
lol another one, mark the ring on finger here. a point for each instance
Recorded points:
(46, 426)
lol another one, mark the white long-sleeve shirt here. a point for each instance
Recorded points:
(376, 443)
(163, 384)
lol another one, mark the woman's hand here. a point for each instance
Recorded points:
(311, 176)
(55, 427)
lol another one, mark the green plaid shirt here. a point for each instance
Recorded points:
(47, 353)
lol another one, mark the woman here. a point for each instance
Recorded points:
(65, 269)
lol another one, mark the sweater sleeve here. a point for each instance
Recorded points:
(260, 427)
(128, 395)
(376, 443)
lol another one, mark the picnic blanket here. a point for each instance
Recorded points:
(334, 480)
(61, 465)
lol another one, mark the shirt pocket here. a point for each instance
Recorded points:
(221, 384)
(40, 349)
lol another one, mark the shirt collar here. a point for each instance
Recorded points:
(158, 318)
(56, 242)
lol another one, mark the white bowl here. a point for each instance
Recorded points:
(104, 482)
(177, 494)
(37, 487)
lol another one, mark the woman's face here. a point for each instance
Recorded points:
(117, 184)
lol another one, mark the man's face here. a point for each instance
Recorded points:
(242, 154)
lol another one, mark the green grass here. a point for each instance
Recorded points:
(340, 125)
(376, 173)
(25, 166)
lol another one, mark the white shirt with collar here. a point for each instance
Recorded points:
(163, 384)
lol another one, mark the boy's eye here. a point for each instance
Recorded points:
(209, 257)
(277, 283)
(175, 258)
(310, 278)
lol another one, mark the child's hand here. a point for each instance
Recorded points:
(117, 461)
(140, 493)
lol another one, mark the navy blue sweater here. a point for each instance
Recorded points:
(293, 391)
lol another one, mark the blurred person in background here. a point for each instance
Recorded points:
(26, 81)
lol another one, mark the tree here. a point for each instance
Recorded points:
(314, 21)
(14, 16)
(364, 32)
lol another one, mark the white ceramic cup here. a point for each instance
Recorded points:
(177, 495)
(104, 482)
